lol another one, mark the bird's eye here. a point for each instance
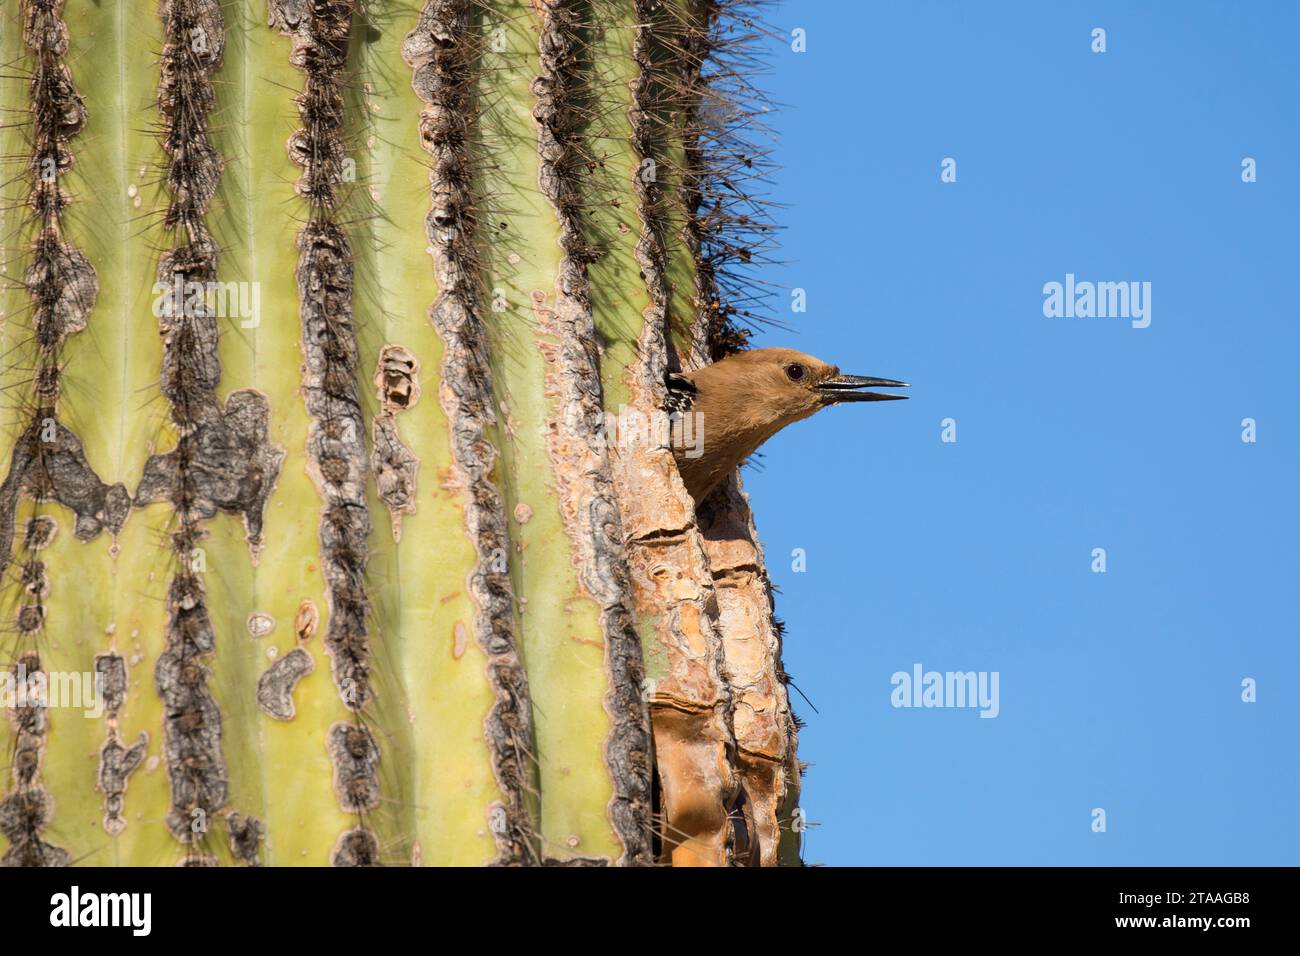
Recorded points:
(795, 372)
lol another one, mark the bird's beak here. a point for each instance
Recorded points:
(846, 388)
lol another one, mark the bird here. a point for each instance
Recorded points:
(742, 400)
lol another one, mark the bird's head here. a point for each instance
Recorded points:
(782, 386)
(748, 397)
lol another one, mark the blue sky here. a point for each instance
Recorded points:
(1119, 690)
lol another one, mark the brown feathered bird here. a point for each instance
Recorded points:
(743, 400)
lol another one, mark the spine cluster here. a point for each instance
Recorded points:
(728, 144)
(223, 460)
(588, 498)
(48, 462)
(319, 31)
(443, 52)
(731, 234)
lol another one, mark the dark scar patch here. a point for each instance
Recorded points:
(275, 686)
(224, 464)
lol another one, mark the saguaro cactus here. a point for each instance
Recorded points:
(328, 529)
